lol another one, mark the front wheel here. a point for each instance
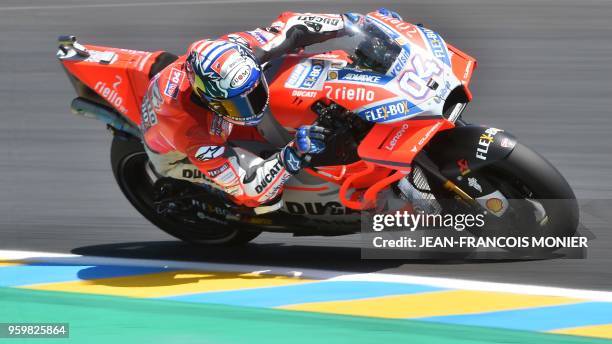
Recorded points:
(541, 203)
(128, 160)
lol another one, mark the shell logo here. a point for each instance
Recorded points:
(494, 204)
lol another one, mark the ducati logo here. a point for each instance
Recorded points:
(268, 177)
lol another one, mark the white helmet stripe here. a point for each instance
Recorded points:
(207, 49)
(213, 55)
(201, 45)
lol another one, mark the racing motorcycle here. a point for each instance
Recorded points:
(393, 96)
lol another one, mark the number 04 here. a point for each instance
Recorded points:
(413, 85)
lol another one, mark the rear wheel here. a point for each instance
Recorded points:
(128, 160)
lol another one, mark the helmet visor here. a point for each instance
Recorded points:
(246, 108)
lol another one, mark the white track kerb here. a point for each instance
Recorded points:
(450, 283)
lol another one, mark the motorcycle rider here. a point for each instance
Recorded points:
(218, 88)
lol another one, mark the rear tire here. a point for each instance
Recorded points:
(128, 161)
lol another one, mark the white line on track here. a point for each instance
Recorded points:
(449, 283)
(143, 4)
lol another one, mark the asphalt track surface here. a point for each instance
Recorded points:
(544, 75)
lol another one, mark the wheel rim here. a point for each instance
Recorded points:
(135, 183)
(529, 214)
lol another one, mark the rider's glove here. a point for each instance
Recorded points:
(309, 139)
(389, 13)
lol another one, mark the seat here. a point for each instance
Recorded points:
(161, 62)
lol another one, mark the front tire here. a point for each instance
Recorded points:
(541, 202)
(128, 161)
(525, 174)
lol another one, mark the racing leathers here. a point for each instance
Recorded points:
(184, 139)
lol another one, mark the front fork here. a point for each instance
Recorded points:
(458, 165)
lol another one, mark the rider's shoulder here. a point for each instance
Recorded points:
(172, 82)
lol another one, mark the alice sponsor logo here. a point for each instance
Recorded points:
(395, 139)
(349, 93)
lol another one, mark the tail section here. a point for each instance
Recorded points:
(116, 78)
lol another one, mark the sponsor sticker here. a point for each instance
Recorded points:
(494, 204)
(304, 93)
(395, 139)
(364, 77)
(259, 36)
(464, 167)
(209, 152)
(216, 171)
(437, 45)
(227, 177)
(389, 111)
(485, 140)
(273, 192)
(173, 83)
(315, 73)
(241, 75)
(349, 92)
(400, 63)
(111, 93)
(103, 57)
(220, 127)
(309, 74)
(427, 135)
(234, 38)
(473, 182)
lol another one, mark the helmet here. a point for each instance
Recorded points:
(227, 77)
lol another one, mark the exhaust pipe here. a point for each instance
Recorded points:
(86, 108)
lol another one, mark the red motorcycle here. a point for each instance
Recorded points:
(393, 95)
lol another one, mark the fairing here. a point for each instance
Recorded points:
(414, 83)
(119, 76)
